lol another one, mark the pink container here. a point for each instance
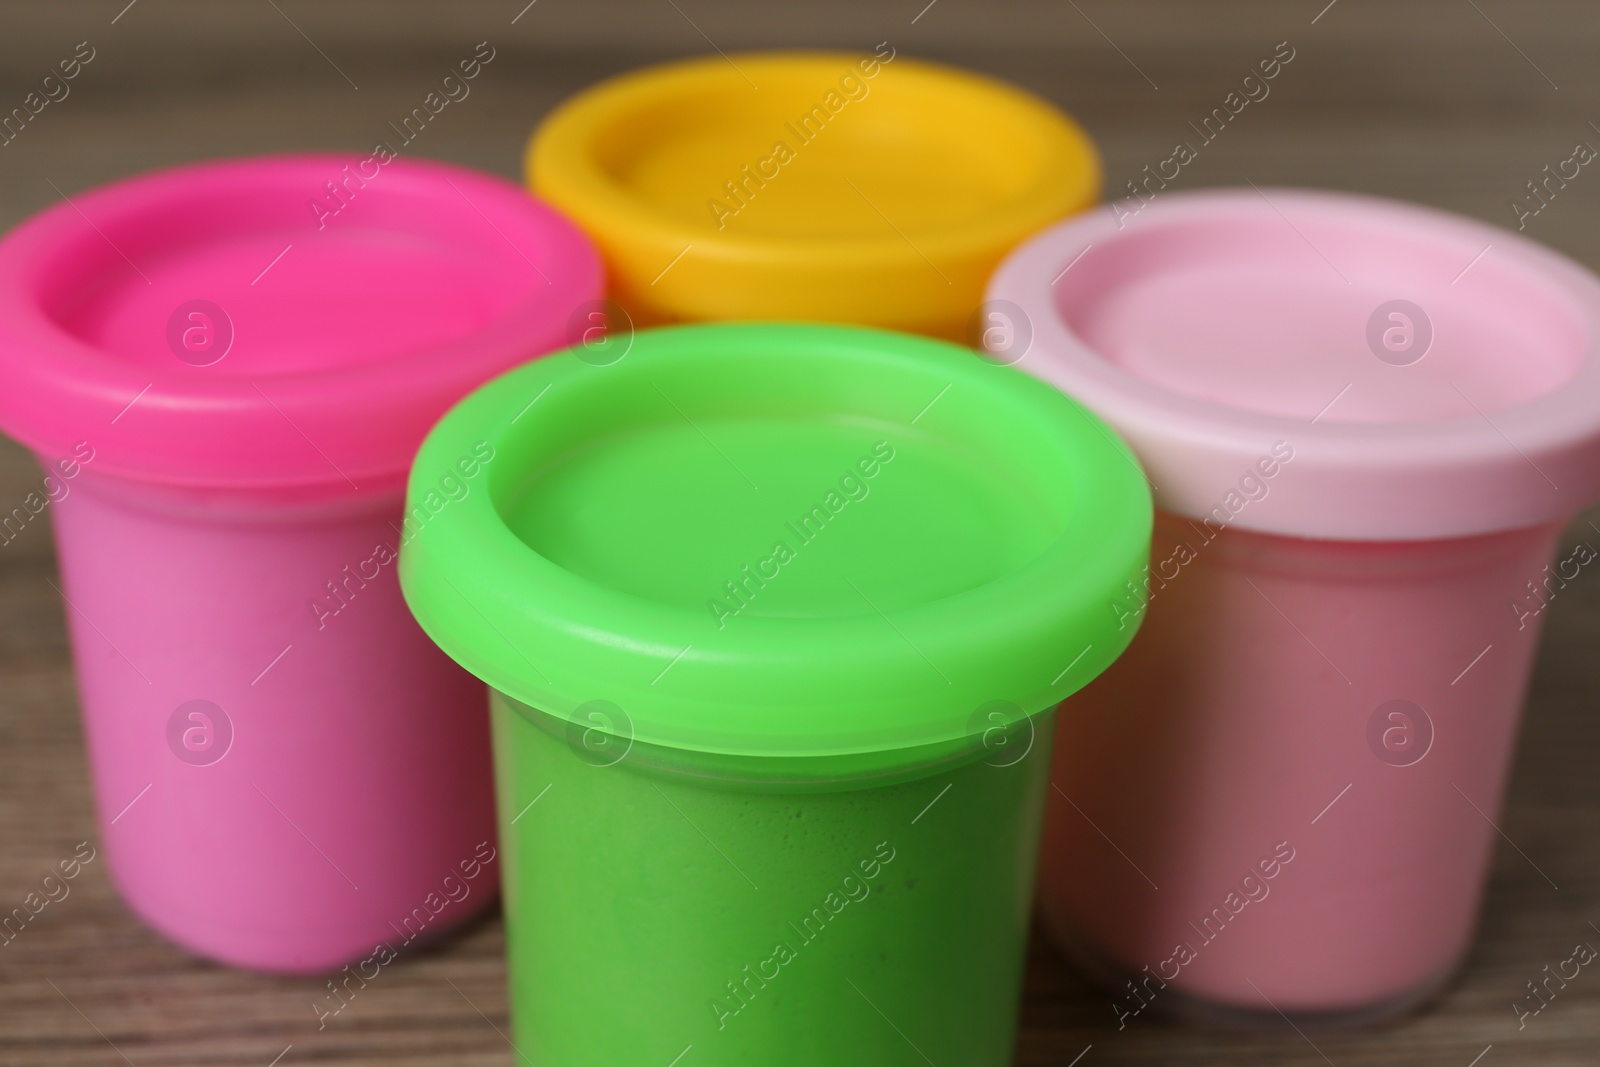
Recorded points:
(236, 362)
(1366, 424)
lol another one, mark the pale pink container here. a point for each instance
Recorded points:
(1365, 424)
(227, 368)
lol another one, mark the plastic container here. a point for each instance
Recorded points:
(840, 187)
(775, 618)
(237, 366)
(1366, 423)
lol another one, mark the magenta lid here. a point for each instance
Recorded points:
(284, 321)
(1319, 364)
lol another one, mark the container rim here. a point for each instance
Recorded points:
(563, 153)
(1531, 462)
(841, 680)
(352, 425)
(1044, 163)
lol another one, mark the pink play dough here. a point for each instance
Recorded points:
(1223, 732)
(231, 539)
(355, 780)
(1351, 509)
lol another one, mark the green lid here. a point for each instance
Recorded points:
(777, 540)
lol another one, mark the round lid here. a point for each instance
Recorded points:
(776, 540)
(277, 322)
(868, 188)
(1323, 365)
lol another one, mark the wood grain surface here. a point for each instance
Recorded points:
(1456, 103)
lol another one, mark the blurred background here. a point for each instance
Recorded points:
(1455, 103)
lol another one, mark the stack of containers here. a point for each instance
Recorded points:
(775, 617)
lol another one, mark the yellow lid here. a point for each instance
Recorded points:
(869, 188)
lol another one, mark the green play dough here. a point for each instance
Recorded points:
(634, 900)
(775, 619)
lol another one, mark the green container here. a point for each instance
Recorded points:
(775, 618)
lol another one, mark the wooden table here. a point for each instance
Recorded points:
(1429, 101)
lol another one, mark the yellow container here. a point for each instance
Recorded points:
(861, 188)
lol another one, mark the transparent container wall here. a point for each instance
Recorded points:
(649, 909)
(1280, 797)
(285, 768)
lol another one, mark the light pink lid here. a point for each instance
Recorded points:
(245, 323)
(1426, 375)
